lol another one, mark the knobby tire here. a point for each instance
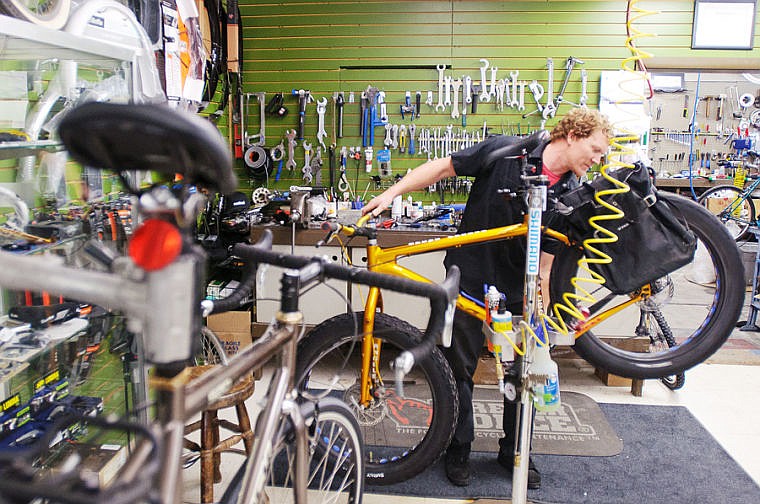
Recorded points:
(429, 394)
(712, 312)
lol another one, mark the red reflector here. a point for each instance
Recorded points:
(155, 244)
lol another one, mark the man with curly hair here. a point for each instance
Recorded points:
(577, 142)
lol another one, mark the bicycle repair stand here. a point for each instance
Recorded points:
(754, 301)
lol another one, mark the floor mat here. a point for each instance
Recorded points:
(667, 458)
(579, 427)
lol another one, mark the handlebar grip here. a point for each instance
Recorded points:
(330, 226)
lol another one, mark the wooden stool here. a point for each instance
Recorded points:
(211, 446)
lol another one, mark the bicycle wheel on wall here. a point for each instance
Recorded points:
(403, 435)
(51, 14)
(701, 313)
(735, 213)
(336, 468)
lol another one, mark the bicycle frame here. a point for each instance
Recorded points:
(385, 260)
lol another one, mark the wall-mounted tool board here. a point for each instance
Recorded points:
(696, 120)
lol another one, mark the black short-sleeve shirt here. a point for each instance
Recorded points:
(500, 263)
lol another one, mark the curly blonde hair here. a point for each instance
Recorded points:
(582, 122)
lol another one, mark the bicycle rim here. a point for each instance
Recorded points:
(336, 472)
(51, 14)
(701, 303)
(403, 435)
(726, 202)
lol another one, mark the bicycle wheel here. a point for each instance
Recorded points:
(403, 435)
(700, 315)
(210, 349)
(51, 14)
(336, 469)
(720, 200)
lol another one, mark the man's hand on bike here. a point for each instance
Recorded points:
(377, 204)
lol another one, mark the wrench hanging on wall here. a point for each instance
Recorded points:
(549, 109)
(569, 65)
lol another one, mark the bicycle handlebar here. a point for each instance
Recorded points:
(441, 296)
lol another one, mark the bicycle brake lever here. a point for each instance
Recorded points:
(332, 229)
(401, 367)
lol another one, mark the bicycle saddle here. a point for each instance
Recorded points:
(527, 144)
(121, 138)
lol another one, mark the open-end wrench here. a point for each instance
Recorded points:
(306, 170)
(440, 106)
(388, 135)
(492, 90)
(383, 112)
(457, 85)
(521, 105)
(484, 94)
(501, 86)
(584, 86)
(513, 102)
(394, 136)
(321, 109)
(549, 109)
(291, 136)
(447, 90)
(467, 80)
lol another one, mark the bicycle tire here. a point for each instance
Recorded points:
(737, 225)
(713, 311)
(51, 14)
(336, 469)
(430, 393)
(211, 27)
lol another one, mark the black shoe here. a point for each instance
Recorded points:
(534, 476)
(458, 465)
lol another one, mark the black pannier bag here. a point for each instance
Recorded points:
(651, 241)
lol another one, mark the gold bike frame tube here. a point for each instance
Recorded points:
(368, 344)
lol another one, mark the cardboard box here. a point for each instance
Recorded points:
(233, 328)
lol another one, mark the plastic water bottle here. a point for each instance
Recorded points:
(545, 377)
(501, 323)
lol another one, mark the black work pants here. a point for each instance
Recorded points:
(462, 355)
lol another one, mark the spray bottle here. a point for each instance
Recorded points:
(544, 376)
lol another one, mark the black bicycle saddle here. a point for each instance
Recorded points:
(122, 137)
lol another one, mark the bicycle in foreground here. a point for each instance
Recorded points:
(603, 337)
(304, 449)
